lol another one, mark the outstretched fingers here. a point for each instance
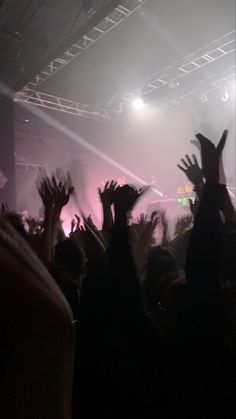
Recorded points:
(188, 160)
(184, 163)
(181, 168)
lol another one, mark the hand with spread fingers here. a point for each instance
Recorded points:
(192, 169)
(153, 223)
(146, 238)
(46, 193)
(107, 199)
(107, 194)
(142, 219)
(61, 192)
(53, 193)
(211, 157)
(182, 224)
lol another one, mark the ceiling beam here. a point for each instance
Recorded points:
(47, 101)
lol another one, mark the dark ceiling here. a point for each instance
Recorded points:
(33, 32)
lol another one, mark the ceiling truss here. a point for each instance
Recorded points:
(165, 77)
(193, 62)
(45, 100)
(121, 12)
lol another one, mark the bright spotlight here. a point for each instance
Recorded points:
(225, 96)
(138, 103)
(204, 98)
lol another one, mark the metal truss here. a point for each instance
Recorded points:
(22, 163)
(172, 74)
(166, 77)
(28, 166)
(204, 88)
(56, 103)
(212, 83)
(121, 12)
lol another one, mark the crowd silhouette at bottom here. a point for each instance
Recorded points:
(107, 323)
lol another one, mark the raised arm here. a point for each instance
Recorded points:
(55, 195)
(106, 198)
(128, 306)
(193, 172)
(202, 262)
(143, 243)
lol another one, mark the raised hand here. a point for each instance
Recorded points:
(142, 219)
(127, 196)
(61, 192)
(53, 193)
(143, 242)
(192, 169)
(152, 224)
(165, 228)
(46, 193)
(72, 226)
(90, 223)
(211, 156)
(182, 223)
(107, 199)
(107, 194)
(77, 222)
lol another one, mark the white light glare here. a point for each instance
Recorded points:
(138, 103)
(204, 98)
(225, 96)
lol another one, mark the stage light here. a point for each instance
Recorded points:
(174, 84)
(225, 96)
(204, 98)
(138, 103)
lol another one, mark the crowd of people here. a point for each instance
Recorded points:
(108, 323)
